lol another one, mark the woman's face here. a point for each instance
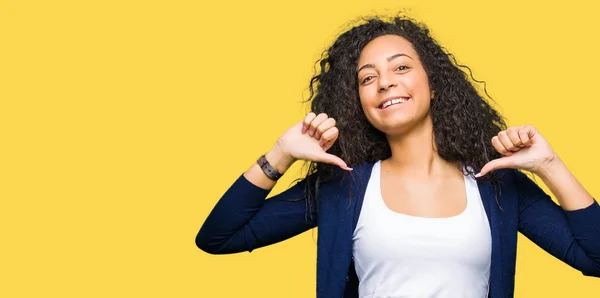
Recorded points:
(392, 85)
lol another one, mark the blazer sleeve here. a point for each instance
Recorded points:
(571, 236)
(242, 220)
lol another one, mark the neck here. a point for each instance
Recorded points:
(414, 153)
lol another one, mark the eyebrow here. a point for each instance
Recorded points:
(389, 59)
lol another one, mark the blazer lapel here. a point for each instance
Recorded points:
(486, 190)
(334, 251)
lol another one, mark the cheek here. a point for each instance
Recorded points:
(418, 84)
(424, 82)
(363, 95)
(365, 103)
(367, 94)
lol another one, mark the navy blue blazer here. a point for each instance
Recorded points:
(242, 220)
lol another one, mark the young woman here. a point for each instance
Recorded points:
(414, 180)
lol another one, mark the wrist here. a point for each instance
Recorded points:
(550, 168)
(279, 159)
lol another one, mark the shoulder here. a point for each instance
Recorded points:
(516, 178)
(360, 173)
(342, 179)
(510, 177)
(364, 168)
(519, 184)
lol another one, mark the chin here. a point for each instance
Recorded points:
(401, 125)
(397, 128)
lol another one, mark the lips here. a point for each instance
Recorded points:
(393, 101)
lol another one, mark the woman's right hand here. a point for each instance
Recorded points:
(309, 140)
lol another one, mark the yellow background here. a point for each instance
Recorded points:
(122, 123)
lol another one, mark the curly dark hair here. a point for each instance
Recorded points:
(463, 121)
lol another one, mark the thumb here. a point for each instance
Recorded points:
(500, 163)
(334, 160)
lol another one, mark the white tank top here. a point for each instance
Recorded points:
(398, 255)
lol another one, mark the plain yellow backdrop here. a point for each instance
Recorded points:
(122, 123)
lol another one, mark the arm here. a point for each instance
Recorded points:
(243, 220)
(570, 233)
(564, 186)
(572, 236)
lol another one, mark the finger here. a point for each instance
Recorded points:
(524, 136)
(334, 160)
(506, 142)
(499, 147)
(500, 163)
(315, 123)
(307, 120)
(327, 146)
(513, 135)
(324, 126)
(329, 136)
(530, 132)
(488, 167)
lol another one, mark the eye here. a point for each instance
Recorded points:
(367, 79)
(402, 68)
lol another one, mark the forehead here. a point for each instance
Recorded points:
(385, 46)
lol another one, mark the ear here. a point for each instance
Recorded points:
(432, 94)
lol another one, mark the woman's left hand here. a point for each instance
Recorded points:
(523, 148)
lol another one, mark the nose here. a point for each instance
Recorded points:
(386, 82)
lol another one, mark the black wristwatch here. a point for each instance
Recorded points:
(268, 169)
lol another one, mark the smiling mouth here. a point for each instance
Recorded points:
(392, 102)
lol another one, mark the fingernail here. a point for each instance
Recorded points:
(478, 175)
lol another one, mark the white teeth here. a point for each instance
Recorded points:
(393, 102)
